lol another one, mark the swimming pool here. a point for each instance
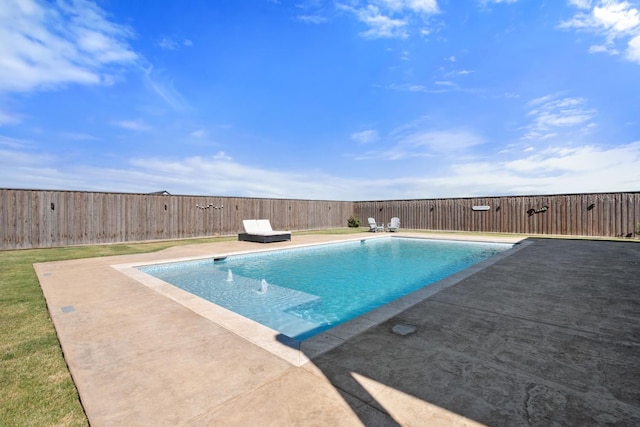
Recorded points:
(302, 292)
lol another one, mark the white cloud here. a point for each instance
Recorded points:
(618, 18)
(365, 137)
(550, 114)
(633, 52)
(616, 22)
(393, 18)
(381, 26)
(555, 171)
(589, 168)
(590, 163)
(424, 6)
(45, 45)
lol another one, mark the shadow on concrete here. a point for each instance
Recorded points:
(547, 336)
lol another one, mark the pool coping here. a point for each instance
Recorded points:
(295, 352)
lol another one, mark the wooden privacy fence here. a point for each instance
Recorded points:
(602, 214)
(40, 219)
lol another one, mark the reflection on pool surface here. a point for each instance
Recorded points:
(302, 292)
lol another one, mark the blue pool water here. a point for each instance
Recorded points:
(301, 292)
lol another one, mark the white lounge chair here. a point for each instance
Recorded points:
(373, 225)
(394, 225)
(259, 230)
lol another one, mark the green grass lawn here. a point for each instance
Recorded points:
(36, 388)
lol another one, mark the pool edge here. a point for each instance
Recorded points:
(295, 352)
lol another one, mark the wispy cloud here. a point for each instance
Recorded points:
(196, 173)
(9, 118)
(75, 136)
(365, 136)
(581, 4)
(14, 143)
(485, 2)
(440, 141)
(171, 43)
(43, 47)
(408, 87)
(459, 72)
(135, 125)
(413, 143)
(444, 83)
(380, 25)
(392, 18)
(168, 43)
(413, 87)
(163, 86)
(312, 19)
(417, 6)
(550, 114)
(617, 22)
(633, 50)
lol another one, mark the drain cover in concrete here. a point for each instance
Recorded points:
(403, 329)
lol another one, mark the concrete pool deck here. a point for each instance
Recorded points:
(549, 335)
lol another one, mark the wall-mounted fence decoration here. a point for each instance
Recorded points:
(532, 211)
(210, 206)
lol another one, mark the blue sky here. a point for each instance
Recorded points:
(321, 99)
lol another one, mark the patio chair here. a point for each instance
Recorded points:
(373, 225)
(394, 225)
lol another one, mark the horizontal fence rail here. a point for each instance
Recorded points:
(44, 218)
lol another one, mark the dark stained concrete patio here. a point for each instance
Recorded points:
(548, 336)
